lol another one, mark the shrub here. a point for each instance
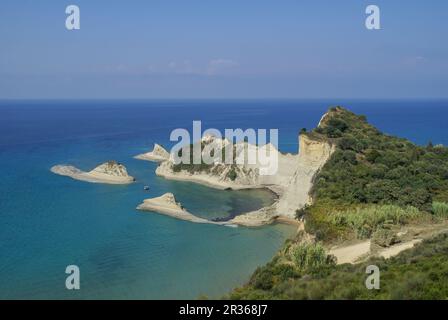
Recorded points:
(262, 278)
(418, 273)
(440, 209)
(301, 213)
(365, 221)
(384, 237)
(387, 169)
(232, 174)
(311, 257)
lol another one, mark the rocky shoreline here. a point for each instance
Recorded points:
(291, 183)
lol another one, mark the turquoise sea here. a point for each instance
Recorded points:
(48, 222)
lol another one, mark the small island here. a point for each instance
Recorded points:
(110, 172)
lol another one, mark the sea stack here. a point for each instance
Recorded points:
(110, 172)
(158, 154)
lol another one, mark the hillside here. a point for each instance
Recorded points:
(420, 273)
(370, 168)
(374, 187)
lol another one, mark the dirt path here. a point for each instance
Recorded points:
(351, 253)
(394, 250)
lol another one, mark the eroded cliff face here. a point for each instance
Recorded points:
(111, 168)
(292, 181)
(157, 154)
(159, 151)
(313, 154)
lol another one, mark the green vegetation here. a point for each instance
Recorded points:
(191, 167)
(373, 184)
(293, 262)
(384, 237)
(418, 273)
(364, 221)
(371, 167)
(232, 175)
(310, 257)
(373, 178)
(440, 209)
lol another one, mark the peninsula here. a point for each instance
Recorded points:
(168, 205)
(292, 181)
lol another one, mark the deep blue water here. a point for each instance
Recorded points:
(48, 222)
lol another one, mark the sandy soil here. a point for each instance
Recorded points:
(396, 249)
(351, 253)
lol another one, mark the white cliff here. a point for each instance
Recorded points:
(110, 172)
(158, 154)
(292, 180)
(313, 154)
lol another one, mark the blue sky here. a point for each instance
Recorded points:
(223, 49)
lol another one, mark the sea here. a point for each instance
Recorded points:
(49, 222)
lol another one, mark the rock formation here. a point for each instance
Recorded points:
(157, 154)
(110, 172)
(167, 204)
(292, 181)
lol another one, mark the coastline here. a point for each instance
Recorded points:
(291, 183)
(205, 180)
(167, 205)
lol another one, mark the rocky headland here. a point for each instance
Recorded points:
(292, 181)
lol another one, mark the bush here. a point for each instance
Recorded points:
(440, 209)
(384, 237)
(365, 221)
(232, 175)
(262, 279)
(310, 258)
(371, 167)
(418, 273)
(301, 213)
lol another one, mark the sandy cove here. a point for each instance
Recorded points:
(291, 183)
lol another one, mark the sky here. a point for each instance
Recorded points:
(223, 49)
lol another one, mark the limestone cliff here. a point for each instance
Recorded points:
(292, 178)
(157, 154)
(313, 154)
(111, 168)
(292, 181)
(110, 172)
